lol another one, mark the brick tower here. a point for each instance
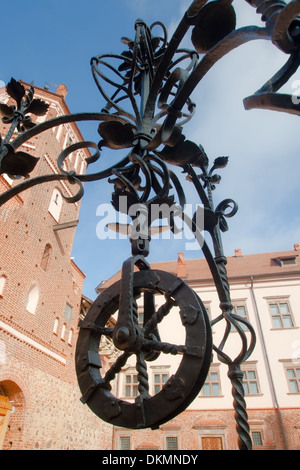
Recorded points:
(40, 295)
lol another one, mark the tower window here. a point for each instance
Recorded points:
(55, 326)
(2, 283)
(32, 299)
(46, 257)
(55, 204)
(124, 443)
(172, 443)
(68, 313)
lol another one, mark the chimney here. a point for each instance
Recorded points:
(238, 253)
(297, 247)
(62, 90)
(181, 266)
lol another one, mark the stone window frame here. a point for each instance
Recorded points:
(215, 369)
(280, 299)
(171, 431)
(121, 434)
(240, 303)
(3, 280)
(32, 299)
(159, 370)
(250, 367)
(288, 365)
(55, 205)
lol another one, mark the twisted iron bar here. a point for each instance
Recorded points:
(236, 377)
(158, 316)
(115, 369)
(142, 376)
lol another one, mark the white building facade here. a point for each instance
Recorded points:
(265, 289)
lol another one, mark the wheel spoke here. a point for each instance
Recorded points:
(167, 348)
(147, 410)
(116, 367)
(84, 324)
(158, 316)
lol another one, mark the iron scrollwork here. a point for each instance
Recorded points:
(147, 89)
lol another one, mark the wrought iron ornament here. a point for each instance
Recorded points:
(147, 90)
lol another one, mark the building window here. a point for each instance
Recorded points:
(212, 385)
(68, 312)
(68, 141)
(2, 284)
(46, 257)
(55, 204)
(140, 315)
(239, 309)
(63, 332)
(293, 378)
(281, 314)
(250, 381)
(171, 443)
(257, 439)
(55, 326)
(287, 260)
(32, 299)
(131, 385)
(70, 337)
(8, 179)
(159, 380)
(124, 443)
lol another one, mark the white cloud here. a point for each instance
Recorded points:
(263, 171)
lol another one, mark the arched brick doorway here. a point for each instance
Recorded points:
(11, 415)
(5, 410)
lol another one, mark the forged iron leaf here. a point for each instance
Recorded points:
(215, 179)
(15, 90)
(18, 163)
(37, 107)
(128, 42)
(203, 158)
(27, 124)
(29, 95)
(116, 135)
(6, 111)
(126, 65)
(215, 21)
(183, 153)
(115, 199)
(137, 83)
(155, 43)
(221, 162)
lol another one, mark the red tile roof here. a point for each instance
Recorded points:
(260, 264)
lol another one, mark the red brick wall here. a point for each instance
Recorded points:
(191, 424)
(37, 370)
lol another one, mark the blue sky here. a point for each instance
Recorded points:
(51, 42)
